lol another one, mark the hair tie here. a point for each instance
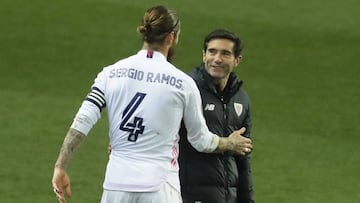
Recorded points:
(148, 27)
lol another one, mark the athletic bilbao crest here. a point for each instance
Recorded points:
(238, 108)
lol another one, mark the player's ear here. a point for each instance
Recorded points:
(170, 38)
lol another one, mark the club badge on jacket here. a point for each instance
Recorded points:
(238, 108)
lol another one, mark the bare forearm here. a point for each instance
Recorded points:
(70, 145)
(224, 145)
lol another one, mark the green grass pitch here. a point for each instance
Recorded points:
(300, 66)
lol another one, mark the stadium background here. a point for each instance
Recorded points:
(300, 67)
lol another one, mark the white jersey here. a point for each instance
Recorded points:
(146, 98)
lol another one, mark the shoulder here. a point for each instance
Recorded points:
(242, 96)
(189, 83)
(181, 74)
(108, 69)
(196, 72)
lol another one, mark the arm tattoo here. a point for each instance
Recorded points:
(224, 145)
(70, 145)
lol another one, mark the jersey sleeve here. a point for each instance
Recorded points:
(198, 134)
(90, 110)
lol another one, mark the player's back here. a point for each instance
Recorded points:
(145, 98)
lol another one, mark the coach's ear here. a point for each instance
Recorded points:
(238, 60)
(203, 52)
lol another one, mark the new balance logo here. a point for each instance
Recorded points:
(209, 107)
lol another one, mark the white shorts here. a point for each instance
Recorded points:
(166, 194)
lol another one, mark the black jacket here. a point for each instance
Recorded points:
(217, 178)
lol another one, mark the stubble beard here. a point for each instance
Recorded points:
(171, 53)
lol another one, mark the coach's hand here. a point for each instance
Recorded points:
(61, 182)
(241, 144)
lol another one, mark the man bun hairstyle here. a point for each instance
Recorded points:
(157, 23)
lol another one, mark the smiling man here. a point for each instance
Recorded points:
(221, 177)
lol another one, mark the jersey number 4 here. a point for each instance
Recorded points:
(135, 127)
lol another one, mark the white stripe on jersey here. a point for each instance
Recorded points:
(96, 96)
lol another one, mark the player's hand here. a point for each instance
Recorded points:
(109, 149)
(61, 182)
(242, 145)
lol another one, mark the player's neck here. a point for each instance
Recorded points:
(156, 47)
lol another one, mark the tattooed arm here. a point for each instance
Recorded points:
(71, 143)
(60, 179)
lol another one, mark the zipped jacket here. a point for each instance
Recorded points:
(222, 177)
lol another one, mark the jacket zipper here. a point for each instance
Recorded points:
(225, 109)
(226, 181)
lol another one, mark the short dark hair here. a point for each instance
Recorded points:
(225, 34)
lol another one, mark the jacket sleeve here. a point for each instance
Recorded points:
(245, 193)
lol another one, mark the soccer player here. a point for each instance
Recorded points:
(223, 177)
(145, 97)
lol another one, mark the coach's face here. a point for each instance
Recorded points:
(219, 59)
